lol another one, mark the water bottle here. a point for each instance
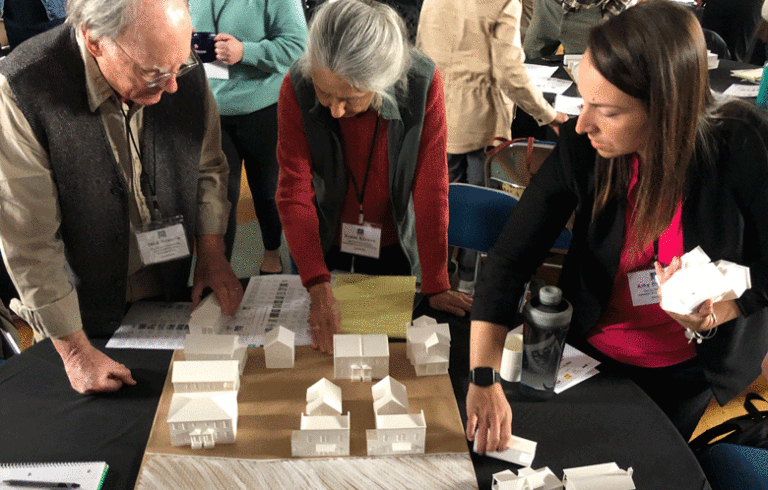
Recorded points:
(762, 94)
(545, 325)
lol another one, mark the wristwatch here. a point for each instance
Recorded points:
(484, 376)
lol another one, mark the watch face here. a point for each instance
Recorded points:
(483, 376)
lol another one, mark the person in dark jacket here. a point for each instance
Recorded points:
(653, 168)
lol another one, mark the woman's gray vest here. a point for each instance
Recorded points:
(47, 76)
(406, 121)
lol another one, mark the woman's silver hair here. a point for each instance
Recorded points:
(362, 41)
(105, 18)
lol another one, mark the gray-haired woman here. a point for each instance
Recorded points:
(363, 180)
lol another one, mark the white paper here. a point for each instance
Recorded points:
(575, 367)
(540, 71)
(568, 105)
(216, 69)
(742, 90)
(268, 301)
(750, 75)
(552, 85)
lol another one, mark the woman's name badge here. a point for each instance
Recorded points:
(364, 239)
(162, 241)
(643, 287)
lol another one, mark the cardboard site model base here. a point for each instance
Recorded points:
(270, 403)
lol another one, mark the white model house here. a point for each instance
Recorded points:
(526, 479)
(220, 347)
(321, 435)
(360, 357)
(279, 348)
(324, 398)
(203, 419)
(607, 476)
(206, 318)
(390, 397)
(205, 376)
(428, 346)
(397, 432)
(323, 430)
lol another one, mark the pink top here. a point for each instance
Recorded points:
(642, 335)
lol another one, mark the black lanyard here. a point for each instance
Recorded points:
(360, 193)
(154, 208)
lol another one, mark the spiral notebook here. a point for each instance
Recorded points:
(88, 476)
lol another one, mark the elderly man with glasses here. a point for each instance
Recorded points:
(111, 173)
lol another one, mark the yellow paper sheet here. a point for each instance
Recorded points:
(375, 304)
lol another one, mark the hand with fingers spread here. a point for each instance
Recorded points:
(324, 316)
(489, 418)
(452, 302)
(229, 50)
(212, 270)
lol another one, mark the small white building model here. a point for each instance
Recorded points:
(360, 357)
(390, 397)
(323, 430)
(203, 419)
(607, 476)
(220, 347)
(279, 348)
(202, 376)
(321, 435)
(526, 479)
(324, 398)
(206, 318)
(520, 451)
(397, 432)
(428, 346)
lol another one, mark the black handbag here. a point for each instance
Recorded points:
(750, 429)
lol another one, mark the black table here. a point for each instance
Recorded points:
(600, 420)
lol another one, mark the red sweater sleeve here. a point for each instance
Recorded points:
(295, 193)
(430, 193)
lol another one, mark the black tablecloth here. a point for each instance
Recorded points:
(600, 420)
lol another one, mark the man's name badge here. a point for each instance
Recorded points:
(162, 241)
(364, 240)
(643, 287)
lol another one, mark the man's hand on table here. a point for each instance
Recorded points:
(324, 316)
(212, 270)
(489, 418)
(90, 370)
(452, 302)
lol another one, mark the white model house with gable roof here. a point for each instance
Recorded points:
(606, 476)
(389, 397)
(220, 347)
(203, 419)
(323, 430)
(360, 357)
(526, 479)
(324, 398)
(428, 346)
(397, 432)
(207, 317)
(279, 348)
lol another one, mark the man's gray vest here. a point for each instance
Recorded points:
(47, 76)
(406, 121)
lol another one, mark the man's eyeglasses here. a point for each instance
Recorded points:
(155, 76)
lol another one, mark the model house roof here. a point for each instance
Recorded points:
(323, 398)
(354, 345)
(202, 407)
(205, 371)
(389, 397)
(280, 335)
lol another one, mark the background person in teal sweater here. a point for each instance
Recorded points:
(256, 41)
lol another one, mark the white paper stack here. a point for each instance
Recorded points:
(699, 280)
